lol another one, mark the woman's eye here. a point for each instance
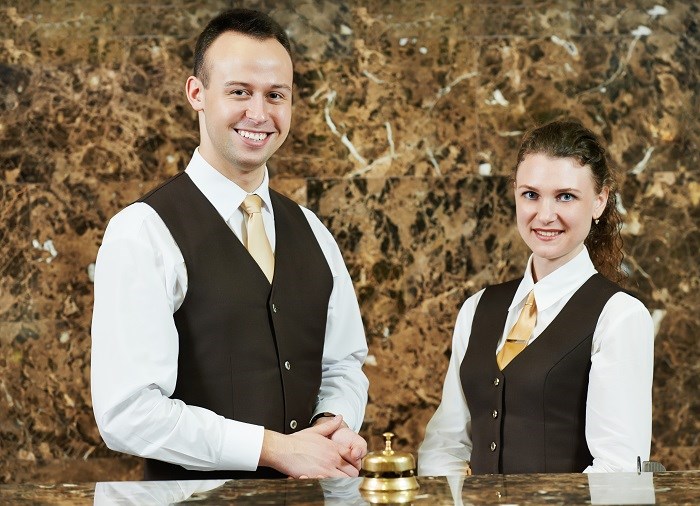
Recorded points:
(530, 195)
(566, 197)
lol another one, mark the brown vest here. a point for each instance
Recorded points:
(249, 351)
(530, 417)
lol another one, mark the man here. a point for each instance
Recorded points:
(212, 356)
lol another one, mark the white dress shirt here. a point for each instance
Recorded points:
(618, 406)
(140, 281)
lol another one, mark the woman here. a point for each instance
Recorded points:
(571, 389)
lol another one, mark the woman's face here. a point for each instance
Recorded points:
(555, 202)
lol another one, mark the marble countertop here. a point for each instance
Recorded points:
(681, 487)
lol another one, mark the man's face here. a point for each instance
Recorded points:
(246, 109)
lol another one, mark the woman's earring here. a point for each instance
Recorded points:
(596, 221)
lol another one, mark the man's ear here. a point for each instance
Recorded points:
(194, 89)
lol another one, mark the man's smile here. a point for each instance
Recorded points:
(254, 136)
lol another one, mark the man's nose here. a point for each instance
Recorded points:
(257, 109)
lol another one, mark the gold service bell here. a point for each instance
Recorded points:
(389, 476)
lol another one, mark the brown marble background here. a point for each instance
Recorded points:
(406, 121)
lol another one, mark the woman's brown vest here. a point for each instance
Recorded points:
(530, 417)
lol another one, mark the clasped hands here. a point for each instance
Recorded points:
(329, 449)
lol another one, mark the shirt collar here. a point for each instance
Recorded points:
(225, 195)
(552, 288)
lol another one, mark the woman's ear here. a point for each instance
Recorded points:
(600, 202)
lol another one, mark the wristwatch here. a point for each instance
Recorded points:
(321, 415)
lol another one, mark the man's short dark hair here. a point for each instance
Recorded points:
(248, 22)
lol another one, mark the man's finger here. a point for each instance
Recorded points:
(349, 470)
(358, 452)
(329, 427)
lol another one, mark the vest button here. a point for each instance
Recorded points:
(493, 446)
(496, 381)
(293, 424)
(274, 308)
(287, 365)
(495, 413)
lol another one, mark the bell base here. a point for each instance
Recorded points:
(389, 497)
(389, 484)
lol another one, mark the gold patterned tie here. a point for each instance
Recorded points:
(256, 239)
(520, 333)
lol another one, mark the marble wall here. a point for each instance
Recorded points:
(406, 120)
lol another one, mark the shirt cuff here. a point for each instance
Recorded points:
(339, 408)
(241, 446)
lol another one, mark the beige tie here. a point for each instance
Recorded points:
(256, 238)
(520, 333)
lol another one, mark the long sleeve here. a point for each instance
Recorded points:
(139, 282)
(447, 446)
(343, 383)
(618, 409)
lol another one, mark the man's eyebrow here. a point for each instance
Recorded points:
(247, 85)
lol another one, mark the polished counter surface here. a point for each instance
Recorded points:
(681, 487)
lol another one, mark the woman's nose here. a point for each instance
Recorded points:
(546, 211)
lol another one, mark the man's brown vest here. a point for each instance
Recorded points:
(530, 417)
(249, 351)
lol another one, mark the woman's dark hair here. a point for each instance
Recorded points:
(244, 21)
(570, 139)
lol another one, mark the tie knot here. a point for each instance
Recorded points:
(530, 303)
(530, 298)
(252, 204)
(530, 307)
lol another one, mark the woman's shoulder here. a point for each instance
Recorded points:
(625, 301)
(622, 295)
(627, 314)
(470, 304)
(624, 319)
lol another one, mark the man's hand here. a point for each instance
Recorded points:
(309, 452)
(346, 437)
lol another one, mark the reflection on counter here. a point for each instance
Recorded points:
(335, 491)
(619, 488)
(152, 492)
(623, 488)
